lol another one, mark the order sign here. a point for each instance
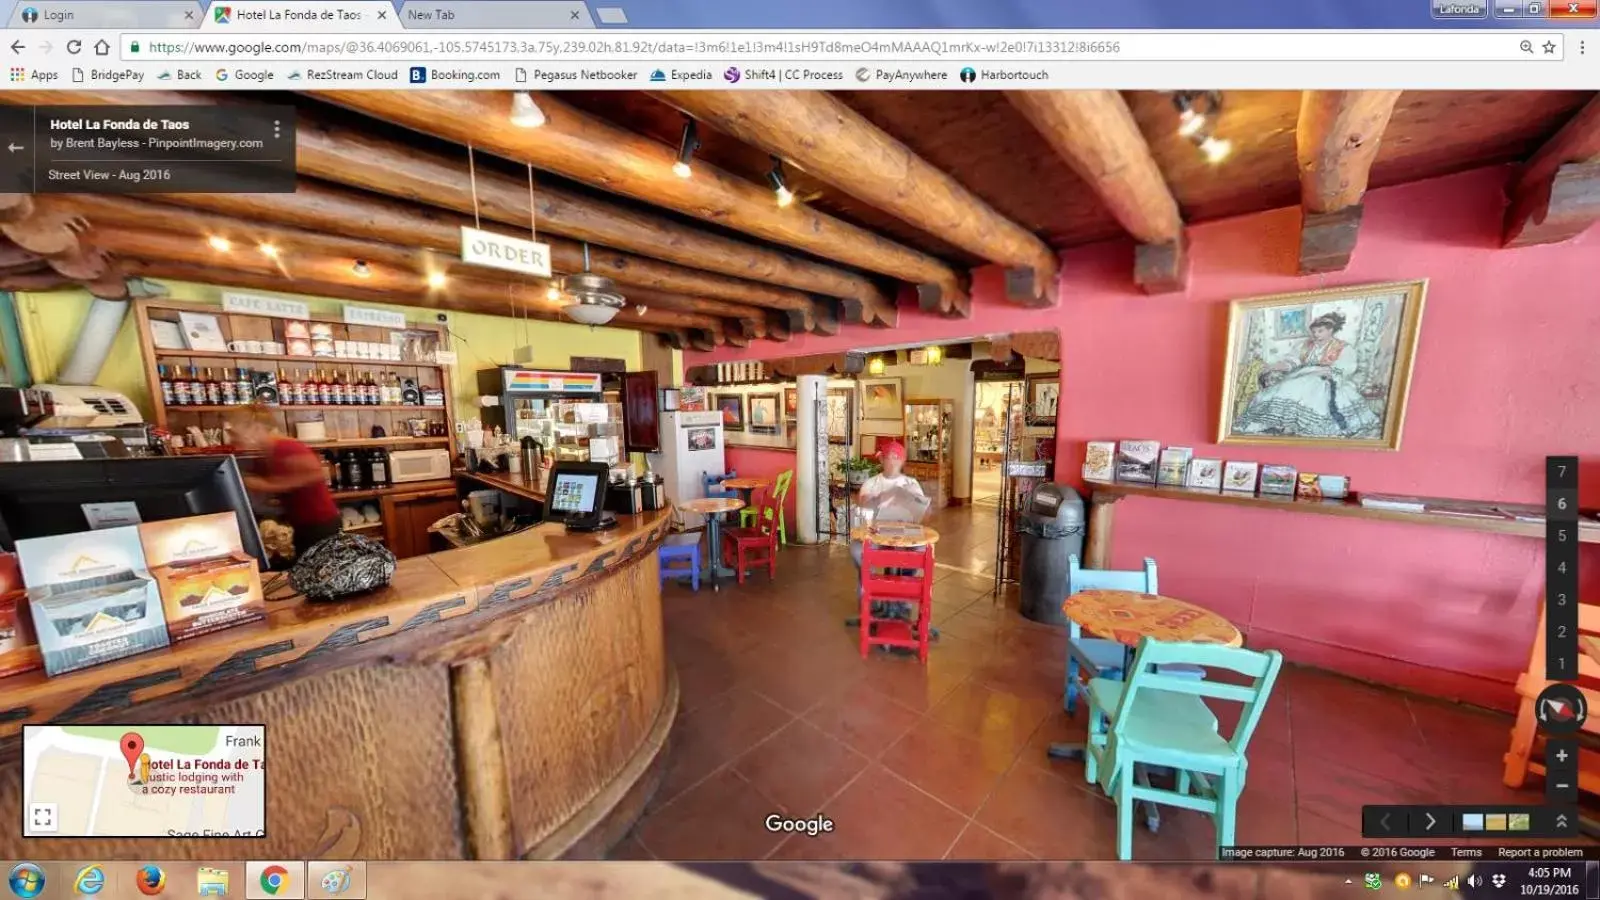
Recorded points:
(497, 251)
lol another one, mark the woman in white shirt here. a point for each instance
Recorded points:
(889, 496)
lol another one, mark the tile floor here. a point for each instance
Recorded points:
(947, 761)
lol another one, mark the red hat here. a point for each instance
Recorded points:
(891, 448)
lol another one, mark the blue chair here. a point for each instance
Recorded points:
(1097, 657)
(1158, 719)
(681, 547)
(714, 486)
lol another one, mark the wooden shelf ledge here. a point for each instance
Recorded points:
(1105, 494)
(315, 362)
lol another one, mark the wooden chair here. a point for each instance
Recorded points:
(1157, 719)
(878, 584)
(746, 547)
(1526, 742)
(780, 492)
(1098, 657)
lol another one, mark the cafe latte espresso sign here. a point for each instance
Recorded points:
(485, 248)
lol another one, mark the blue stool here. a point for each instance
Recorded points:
(714, 486)
(680, 548)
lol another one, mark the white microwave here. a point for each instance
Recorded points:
(418, 465)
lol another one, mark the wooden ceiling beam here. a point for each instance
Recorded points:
(346, 156)
(1096, 134)
(400, 284)
(836, 144)
(587, 149)
(1556, 194)
(1336, 140)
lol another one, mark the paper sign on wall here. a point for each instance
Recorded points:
(497, 251)
(444, 357)
(366, 315)
(257, 305)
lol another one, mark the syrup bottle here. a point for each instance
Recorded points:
(168, 395)
(227, 390)
(212, 389)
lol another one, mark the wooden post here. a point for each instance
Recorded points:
(1097, 551)
(481, 763)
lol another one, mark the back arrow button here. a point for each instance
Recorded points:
(17, 46)
(15, 147)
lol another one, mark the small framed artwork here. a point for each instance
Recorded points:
(1327, 368)
(732, 408)
(791, 403)
(201, 332)
(1333, 487)
(1239, 476)
(1204, 474)
(701, 438)
(1136, 461)
(1044, 395)
(1278, 480)
(1174, 466)
(881, 398)
(1307, 486)
(840, 415)
(1099, 461)
(763, 413)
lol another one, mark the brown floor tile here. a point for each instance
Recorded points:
(1050, 817)
(918, 686)
(949, 764)
(713, 736)
(979, 844)
(863, 718)
(800, 767)
(721, 818)
(880, 816)
(1001, 720)
(1337, 792)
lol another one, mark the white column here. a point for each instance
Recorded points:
(965, 428)
(811, 444)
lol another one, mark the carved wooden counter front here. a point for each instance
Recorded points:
(511, 699)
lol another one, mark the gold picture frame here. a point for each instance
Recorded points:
(1328, 368)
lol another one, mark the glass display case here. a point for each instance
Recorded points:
(928, 447)
(576, 430)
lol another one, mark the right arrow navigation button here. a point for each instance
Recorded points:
(1433, 823)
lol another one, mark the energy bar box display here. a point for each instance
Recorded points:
(207, 581)
(91, 597)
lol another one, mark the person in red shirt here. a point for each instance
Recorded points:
(293, 473)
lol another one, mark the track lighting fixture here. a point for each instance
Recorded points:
(219, 243)
(269, 251)
(875, 365)
(524, 112)
(1197, 117)
(687, 145)
(1216, 149)
(780, 184)
(553, 292)
(361, 268)
(436, 280)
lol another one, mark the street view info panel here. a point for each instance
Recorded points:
(1028, 449)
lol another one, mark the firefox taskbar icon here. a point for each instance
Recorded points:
(150, 880)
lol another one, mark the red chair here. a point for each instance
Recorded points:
(878, 584)
(746, 547)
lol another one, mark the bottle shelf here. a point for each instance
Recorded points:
(311, 361)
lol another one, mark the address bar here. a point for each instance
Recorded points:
(722, 47)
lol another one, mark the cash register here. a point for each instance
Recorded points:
(575, 495)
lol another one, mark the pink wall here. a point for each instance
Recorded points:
(1506, 373)
(761, 462)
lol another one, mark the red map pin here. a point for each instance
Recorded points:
(132, 746)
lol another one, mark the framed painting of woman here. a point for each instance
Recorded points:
(1328, 368)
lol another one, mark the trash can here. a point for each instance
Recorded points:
(1052, 530)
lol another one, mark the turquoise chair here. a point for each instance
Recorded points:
(780, 493)
(1157, 719)
(1098, 657)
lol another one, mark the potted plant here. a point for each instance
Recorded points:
(856, 470)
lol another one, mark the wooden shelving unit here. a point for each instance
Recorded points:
(1105, 496)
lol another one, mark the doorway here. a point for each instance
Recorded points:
(990, 402)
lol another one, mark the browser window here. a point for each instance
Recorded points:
(1295, 301)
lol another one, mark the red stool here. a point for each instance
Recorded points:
(881, 586)
(748, 547)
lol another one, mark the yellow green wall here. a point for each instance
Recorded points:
(50, 322)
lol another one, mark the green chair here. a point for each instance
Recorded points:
(1155, 719)
(780, 494)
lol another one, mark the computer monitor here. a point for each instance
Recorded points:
(40, 499)
(576, 493)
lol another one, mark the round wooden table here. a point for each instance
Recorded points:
(1128, 616)
(746, 487)
(714, 508)
(895, 534)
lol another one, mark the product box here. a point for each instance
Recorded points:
(207, 581)
(91, 598)
(19, 648)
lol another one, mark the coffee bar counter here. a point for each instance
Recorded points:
(514, 483)
(506, 700)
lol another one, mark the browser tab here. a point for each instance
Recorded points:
(543, 14)
(95, 14)
(355, 15)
